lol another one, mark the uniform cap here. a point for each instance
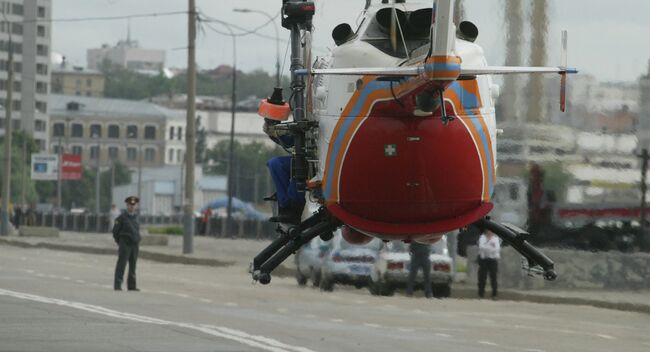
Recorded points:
(132, 200)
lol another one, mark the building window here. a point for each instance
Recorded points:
(17, 105)
(41, 50)
(94, 152)
(39, 125)
(41, 69)
(41, 87)
(113, 131)
(41, 106)
(40, 31)
(180, 133)
(16, 124)
(132, 131)
(149, 154)
(77, 130)
(171, 155)
(95, 130)
(17, 9)
(58, 130)
(112, 153)
(131, 153)
(76, 150)
(41, 11)
(89, 82)
(179, 156)
(55, 149)
(150, 132)
(17, 28)
(171, 133)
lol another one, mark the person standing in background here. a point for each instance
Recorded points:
(489, 252)
(126, 232)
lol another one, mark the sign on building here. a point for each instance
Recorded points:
(71, 168)
(45, 167)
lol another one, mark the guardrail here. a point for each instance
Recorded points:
(102, 223)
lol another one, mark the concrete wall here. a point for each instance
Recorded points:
(576, 270)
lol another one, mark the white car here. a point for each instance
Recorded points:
(391, 270)
(346, 263)
(308, 261)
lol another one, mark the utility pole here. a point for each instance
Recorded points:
(644, 190)
(190, 159)
(6, 177)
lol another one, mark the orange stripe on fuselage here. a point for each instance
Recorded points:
(462, 114)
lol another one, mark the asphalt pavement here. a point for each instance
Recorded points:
(237, 253)
(55, 300)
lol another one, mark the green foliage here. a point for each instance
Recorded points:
(125, 84)
(20, 168)
(556, 179)
(81, 193)
(201, 142)
(249, 172)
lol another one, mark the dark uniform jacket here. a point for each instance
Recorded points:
(127, 226)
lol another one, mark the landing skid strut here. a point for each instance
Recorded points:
(517, 239)
(290, 240)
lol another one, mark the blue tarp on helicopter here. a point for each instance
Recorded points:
(237, 204)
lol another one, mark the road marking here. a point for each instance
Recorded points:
(371, 325)
(260, 342)
(405, 330)
(205, 300)
(489, 343)
(309, 316)
(279, 310)
(30, 271)
(232, 304)
(606, 337)
(80, 281)
(337, 320)
(182, 295)
(533, 350)
(439, 334)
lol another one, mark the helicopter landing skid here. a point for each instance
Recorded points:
(538, 262)
(290, 240)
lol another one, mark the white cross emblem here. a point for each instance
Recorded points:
(390, 150)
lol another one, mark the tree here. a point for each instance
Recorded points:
(21, 168)
(249, 172)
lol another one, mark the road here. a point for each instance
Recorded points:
(63, 301)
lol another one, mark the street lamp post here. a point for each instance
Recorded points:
(277, 41)
(97, 176)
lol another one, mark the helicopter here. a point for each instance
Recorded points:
(395, 132)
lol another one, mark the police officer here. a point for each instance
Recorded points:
(420, 259)
(126, 232)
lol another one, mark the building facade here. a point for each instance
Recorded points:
(106, 130)
(126, 54)
(75, 80)
(27, 25)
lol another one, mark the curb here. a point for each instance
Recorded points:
(143, 254)
(518, 296)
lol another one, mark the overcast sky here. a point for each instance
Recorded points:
(608, 39)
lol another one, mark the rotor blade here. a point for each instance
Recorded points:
(505, 70)
(372, 71)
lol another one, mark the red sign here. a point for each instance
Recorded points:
(71, 167)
